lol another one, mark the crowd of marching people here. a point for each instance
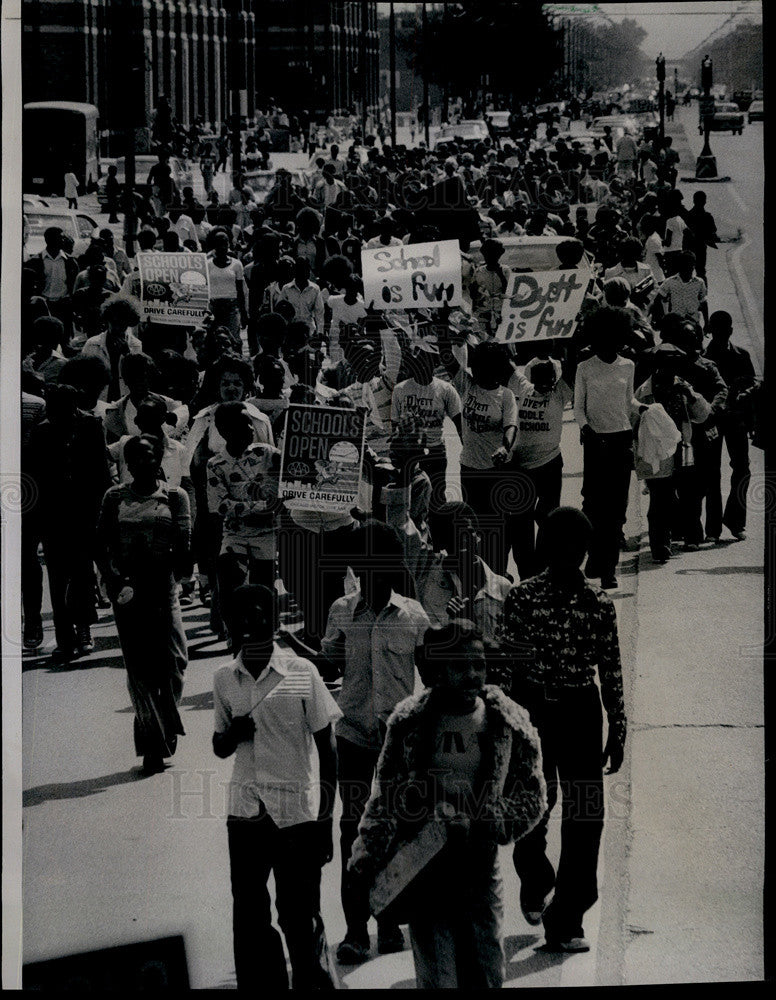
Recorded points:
(155, 455)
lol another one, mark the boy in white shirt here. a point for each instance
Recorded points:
(605, 409)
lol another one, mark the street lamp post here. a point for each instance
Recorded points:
(706, 164)
(425, 78)
(660, 64)
(392, 88)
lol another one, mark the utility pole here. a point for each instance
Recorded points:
(364, 71)
(235, 73)
(425, 77)
(660, 64)
(128, 57)
(392, 82)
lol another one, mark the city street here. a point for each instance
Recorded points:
(314, 309)
(681, 865)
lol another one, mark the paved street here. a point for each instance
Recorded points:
(110, 857)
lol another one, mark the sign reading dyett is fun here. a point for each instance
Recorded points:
(542, 305)
(174, 287)
(413, 275)
(323, 451)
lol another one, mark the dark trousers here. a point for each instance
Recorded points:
(434, 464)
(734, 514)
(693, 484)
(537, 492)
(355, 769)
(608, 460)
(570, 731)
(488, 492)
(232, 571)
(70, 567)
(661, 515)
(256, 848)
(32, 573)
(313, 566)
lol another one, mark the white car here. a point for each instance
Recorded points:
(261, 182)
(755, 112)
(33, 201)
(77, 225)
(528, 253)
(471, 130)
(499, 120)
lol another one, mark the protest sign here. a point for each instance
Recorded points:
(174, 287)
(541, 305)
(413, 275)
(323, 452)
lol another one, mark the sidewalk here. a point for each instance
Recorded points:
(695, 870)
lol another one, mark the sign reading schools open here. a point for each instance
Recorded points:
(413, 275)
(174, 287)
(323, 452)
(542, 305)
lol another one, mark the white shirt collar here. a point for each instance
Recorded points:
(278, 662)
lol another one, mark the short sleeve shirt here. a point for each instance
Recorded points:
(429, 404)
(279, 767)
(486, 412)
(677, 228)
(223, 280)
(683, 297)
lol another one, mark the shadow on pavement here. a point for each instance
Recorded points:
(198, 702)
(721, 570)
(77, 789)
(538, 961)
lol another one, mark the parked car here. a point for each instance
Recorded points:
(528, 253)
(724, 118)
(33, 201)
(469, 131)
(755, 112)
(262, 181)
(181, 174)
(77, 225)
(499, 121)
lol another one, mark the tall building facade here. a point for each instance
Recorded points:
(76, 50)
(317, 55)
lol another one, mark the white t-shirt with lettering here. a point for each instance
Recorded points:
(429, 404)
(486, 412)
(540, 424)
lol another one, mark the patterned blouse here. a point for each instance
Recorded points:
(559, 638)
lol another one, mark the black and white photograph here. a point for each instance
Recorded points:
(387, 526)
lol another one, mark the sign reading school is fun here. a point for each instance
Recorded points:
(174, 287)
(323, 452)
(541, 305)
(412, 275)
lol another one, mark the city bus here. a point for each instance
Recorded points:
(58, 136)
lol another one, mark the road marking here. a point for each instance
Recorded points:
(753, 316)
(737, 199)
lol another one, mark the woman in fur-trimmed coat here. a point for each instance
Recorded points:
(465, 744)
